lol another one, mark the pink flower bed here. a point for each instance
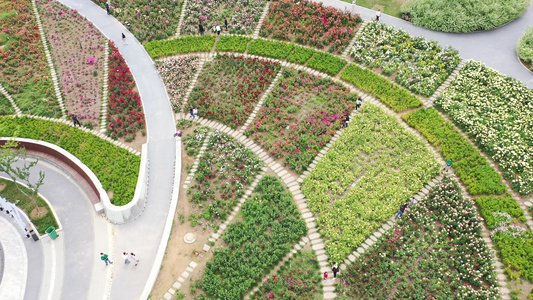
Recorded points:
(177, 73)
(310, 23)
(300, 117)
(78, 51)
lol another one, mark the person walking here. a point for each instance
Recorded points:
(107, 7)
(105, 258)
(358, 103)
(134, 257)
(76, 121)
(226, 24)
(124, 39)
(335, 270)
(195, 112)
(191, 111)
(378, 14)
(325, 275)
(401, 211)
(448, 165)
(125, 256)
(201, 29)
(218, 29)
(346, 121)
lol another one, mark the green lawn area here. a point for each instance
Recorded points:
(389, 7)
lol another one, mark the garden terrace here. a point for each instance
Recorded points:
(434, 251)
(372, 168)
(126, 116)
(149, 19)
(415, 63)
(177, 74)
(242, 16)
(300, 117)
(225, 170)
(116, 168)
(230, 86)
(472, 168)
(310, 23)
(495, 110)
(270, 225)
(24, 72)
(78, 49)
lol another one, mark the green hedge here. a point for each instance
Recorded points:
(116, 168)
(232, 43)
(271, 49)
(300, 55)
(186, 44)
(524, 48)
(506, 204)
(391, 94)
(327, 63)
(472, 168)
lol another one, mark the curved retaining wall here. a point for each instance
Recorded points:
(115, 214)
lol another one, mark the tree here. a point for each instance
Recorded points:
(10, 153)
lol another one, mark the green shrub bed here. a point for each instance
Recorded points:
(524, 48)
(186, 44)
(273, 49)
(116, 168)
(495, 110)
(392, 95)
(372, 168)
(472, 168)
(435, 251)
(418, 64)
(300, 55)
(5, 106)
(327, 63)
(270, 226)
(232, 43)
(489, 206)
(464, 15)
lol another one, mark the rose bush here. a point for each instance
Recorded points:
(177, 74)
(372, 168)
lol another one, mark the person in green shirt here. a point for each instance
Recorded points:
(448, 165)
(105, 258)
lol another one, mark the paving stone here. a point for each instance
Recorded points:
(425, 191)
(318, 246)
(176, 285)
(324, 264)
(351, 257)
(330, 295)
(365, 246)
(185, 274)
(189, 269)
(305, 239)
(343, 267)
(319, 252)
(322, 257)
(381, 230)
(373, 238)
(386, 226)
(310, 225)
(167, 296)
(360, 250)
(329, 289)
(377, 234)
(193, 264)
(504, 290)
(501, 277)
(301, 243)
(181, 280)
(317, 241)
(206, 248)
(172, 291)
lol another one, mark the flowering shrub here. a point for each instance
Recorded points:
(177, 74)
(194, 140)
(472, 168)
(327, 63)
(271, 225)
(242, 16)
(116, 168)
(5, 106)
(436, 252)
(300, 117)
(149, 19)
(80, 63)
(392, 95)
(186, 44)
(274, 49)
(297, 278)
(225, 170)
(229, 87)
(232, 43)
(490, 206)
(24, 72)
(419, 65)
(372, 168)
(496, 111)
(310, 23)
(126, 115)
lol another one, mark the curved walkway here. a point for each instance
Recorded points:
(496, 48)
(144, 236)
(15, 264)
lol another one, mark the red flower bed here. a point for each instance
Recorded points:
(126, 115)
(310, 23)
(300, 117)
(229, 88)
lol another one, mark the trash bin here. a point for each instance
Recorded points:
(34, 235)
(51, 231)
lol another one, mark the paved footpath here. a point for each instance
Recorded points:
(496, 48)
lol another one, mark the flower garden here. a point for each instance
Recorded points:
(177, 73)
(310, 23)
(225, 170)
(300, 117)
(230, 86)
(24, 72)
(372, 168)
(78, 49)
(417, 64)
(242, 16)
(435, 251)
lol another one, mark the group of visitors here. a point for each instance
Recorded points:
(216, 28)
(128, 257)
(335, 270)
(358, 104)
(194, 112)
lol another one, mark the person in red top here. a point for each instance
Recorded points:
(325, 275)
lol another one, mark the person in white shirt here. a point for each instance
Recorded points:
(378, 14)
